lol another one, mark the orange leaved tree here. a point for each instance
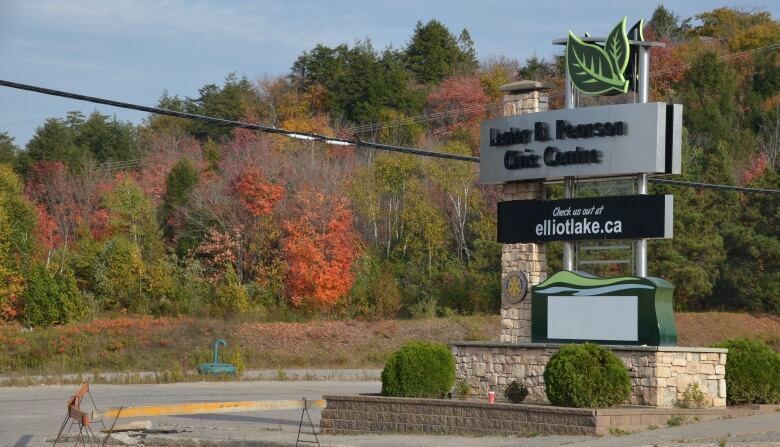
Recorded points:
(320, 246)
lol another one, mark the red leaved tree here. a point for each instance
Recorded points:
(320, 247)
(256, 193)
(460, 102)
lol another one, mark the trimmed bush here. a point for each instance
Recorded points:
(516, 392)
(586, 375)
(419, 369)
(752, 373)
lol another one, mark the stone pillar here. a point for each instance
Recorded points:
(517, 260)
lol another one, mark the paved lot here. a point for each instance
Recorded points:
(29, 415)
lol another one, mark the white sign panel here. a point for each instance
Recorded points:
(585, 142)
(593, 318)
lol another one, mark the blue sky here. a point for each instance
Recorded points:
(134, 50)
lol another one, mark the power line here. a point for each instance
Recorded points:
(311, 136)
(333, 141)
(699, 185)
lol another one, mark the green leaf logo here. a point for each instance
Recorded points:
(599, 71)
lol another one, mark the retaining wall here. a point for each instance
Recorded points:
(376, 414)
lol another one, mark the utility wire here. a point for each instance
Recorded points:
(312, 136)
(714, 186)
(239, 124)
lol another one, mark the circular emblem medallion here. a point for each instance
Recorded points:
(515, 288)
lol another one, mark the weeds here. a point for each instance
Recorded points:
(616, 431)
(675, 421)
(462, 389)
(693, 397)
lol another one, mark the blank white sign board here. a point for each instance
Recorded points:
(593, 318)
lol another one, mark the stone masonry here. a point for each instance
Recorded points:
(522, 97)
(350, 415)
(659, 375)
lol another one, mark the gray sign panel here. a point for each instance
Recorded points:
(585, 142)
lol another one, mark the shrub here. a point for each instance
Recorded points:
(752, 373)
(231, 297)
(423, 309)
(515, 392)
(586, 375)
(51, 298)
(419, 369)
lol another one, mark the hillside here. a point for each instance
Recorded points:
(165, 344)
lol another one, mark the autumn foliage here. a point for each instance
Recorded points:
(320, 247)
(257, 194)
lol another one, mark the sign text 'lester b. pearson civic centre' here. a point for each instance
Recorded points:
(586, 142)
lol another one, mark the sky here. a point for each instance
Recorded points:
(135, 50)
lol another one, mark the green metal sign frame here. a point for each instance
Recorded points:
(653, 297)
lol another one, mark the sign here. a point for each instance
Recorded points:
(571, 307)
(601, 141)
(603, 70)
(614, 217)
(515, 288)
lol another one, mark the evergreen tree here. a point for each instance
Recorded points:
(433, 53)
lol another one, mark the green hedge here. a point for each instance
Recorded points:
(752, 372)
(419, 369)
(586, 375)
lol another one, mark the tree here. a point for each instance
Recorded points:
(11, 280)
(107, 139)
(118, 276)
(740, 29)
(51, 298)
(358, 83)
(537, 69)
(51, 185)
(8, 150)
(132, 215)
(257, 194)
(181, 181)
(232, 101)
(17, 242)
(55, 141)
(666, 25)
(320, 246)
(461, 102)
(433, 53)
(709, 92)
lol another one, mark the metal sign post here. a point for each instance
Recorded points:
(640, 252)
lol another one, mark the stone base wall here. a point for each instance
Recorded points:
(526, 102)
(350, 415)
(530, 259)
(659, 375)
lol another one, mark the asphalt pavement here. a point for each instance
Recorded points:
(30, 415)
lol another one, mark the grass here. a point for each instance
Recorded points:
(134, 344)
(173, 346)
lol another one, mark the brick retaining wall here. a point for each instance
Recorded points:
(348, 415)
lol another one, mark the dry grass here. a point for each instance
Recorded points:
(178, 344)
(708, 328)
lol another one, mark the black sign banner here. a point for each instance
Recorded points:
(615, 217)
